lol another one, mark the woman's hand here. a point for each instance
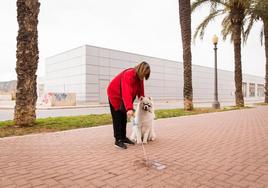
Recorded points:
(130, 113)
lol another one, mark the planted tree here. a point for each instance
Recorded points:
(185, 22)
(27, 61)
(259, 12)
(232, 24)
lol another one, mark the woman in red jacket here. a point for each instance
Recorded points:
(122, 92)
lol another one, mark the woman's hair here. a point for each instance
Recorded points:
(143, 70)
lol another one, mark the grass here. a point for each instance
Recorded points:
(261, 104)
(181, 112)
(53, 124)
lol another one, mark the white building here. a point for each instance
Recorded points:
(87, 70)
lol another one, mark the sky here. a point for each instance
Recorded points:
(147, 27)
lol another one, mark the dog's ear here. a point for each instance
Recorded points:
(151, 98)
(141, 98)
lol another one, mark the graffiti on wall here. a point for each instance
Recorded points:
(59, 99)
(60, 96)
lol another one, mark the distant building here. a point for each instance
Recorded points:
(8, 86)
(87, 70)
(8, 90)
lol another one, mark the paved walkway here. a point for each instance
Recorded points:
(227, 149)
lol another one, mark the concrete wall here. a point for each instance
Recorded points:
(87, 71)
(66, 73)
(203, 84)
(256, 80)
(103, 64)
(59, 99)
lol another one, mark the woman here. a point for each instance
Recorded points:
(122, 92)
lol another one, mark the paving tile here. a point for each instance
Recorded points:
(226, 149)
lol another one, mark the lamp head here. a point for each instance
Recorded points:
(215, 39)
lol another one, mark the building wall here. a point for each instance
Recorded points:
(66, 72)
(103, 64)
(87, 70)
(203, 84)
(255, 80)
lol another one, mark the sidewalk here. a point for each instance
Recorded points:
(226, 149)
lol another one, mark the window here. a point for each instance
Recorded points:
(260, 90)
(244, 89)
(251, 89)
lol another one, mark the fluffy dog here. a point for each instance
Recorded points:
(143, 129)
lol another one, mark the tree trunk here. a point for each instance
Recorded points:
(27, 60)
(236, 26)
(266, 53)
(185, 22)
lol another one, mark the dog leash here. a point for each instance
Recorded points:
(135, 125)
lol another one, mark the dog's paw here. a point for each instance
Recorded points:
(151, 139)
(144, 142)
(139, 142)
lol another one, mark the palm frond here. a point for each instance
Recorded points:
(202, 26)
(243, 33)
(226, 27)
(244, 3)
(213, 3)
(256, 11)
(213, 7)
(261, 7)
(250, 21)
(198, 3)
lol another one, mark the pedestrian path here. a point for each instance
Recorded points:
(225, 149)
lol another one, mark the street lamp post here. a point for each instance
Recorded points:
(215, 104)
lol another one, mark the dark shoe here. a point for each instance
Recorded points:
(128, 141)
(120, 144)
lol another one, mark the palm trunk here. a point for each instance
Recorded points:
(237, 23)
(185, 22)
(27, 60)
(266, 53)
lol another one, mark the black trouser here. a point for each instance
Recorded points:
(119, 123)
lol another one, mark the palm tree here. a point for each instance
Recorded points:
(27, 60)
(232, 24)
(258, 11)
(185, 22)
(265, 22)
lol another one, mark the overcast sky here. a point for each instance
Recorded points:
(147, 27)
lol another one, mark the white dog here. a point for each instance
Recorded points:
(144, 117)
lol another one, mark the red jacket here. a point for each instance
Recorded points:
(131, 86)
